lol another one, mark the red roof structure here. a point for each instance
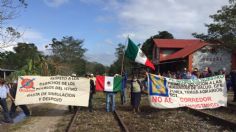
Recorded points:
(184, 47)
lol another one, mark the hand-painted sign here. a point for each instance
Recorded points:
(63, 90)
(202, 93)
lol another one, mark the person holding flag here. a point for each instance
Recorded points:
(92, 91)
(110, 85)
(134, 53)
(123, 89)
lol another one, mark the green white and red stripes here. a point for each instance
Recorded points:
(108, 84)
(134, 53)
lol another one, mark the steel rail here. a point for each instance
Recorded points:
(68, 129)
(215, 119)
(120, 121)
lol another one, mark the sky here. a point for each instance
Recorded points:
(103, 24)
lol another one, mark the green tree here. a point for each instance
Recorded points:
(67, 56)
(148, 44)
(116, 67)
(26, 59)
(7, 56)
(223, 28)
(22, 55)
(26, 54)
(99, 69)
(95, 68)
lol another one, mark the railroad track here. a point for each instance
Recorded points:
(69, 127)
(230, 124)
(211, 118)
(120, 121)
(122, 125)
(215, 119)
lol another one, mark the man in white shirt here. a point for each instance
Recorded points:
(4, 92)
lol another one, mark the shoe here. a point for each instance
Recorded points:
(28, 114)
(6, 121)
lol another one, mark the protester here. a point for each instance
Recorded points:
(207, 72)
(184, 74)
(233, 80)
(123, 89)
(194, 75)
(110, 99)
(196, 72)
(73, 109)
(228, 82)
(188, 75)
(92, 91)
(144, 84)
(4, 92)
(135, 94)
(222, 71)
(13, 89)
(169, 75)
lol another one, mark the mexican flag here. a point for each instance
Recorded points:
(134, 53)
(108, 84)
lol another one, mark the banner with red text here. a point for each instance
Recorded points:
(64, 90)
(201, 93)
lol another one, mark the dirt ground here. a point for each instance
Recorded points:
(97, 121)
(44, 118)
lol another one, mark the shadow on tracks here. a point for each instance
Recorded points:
(48, 112)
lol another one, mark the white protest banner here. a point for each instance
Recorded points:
(201, 93)
(64, 90)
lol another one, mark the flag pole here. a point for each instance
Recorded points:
(123, 57)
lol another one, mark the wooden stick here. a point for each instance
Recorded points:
(123, 57)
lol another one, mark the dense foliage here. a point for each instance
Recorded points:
(148, 44)
(66, 57)
(223, 28)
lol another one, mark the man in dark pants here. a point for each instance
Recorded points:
(233, 80)
(13, 105)
(72, 109)
(135, 94)
(4, 92)
(92, 91)
(123, 89)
